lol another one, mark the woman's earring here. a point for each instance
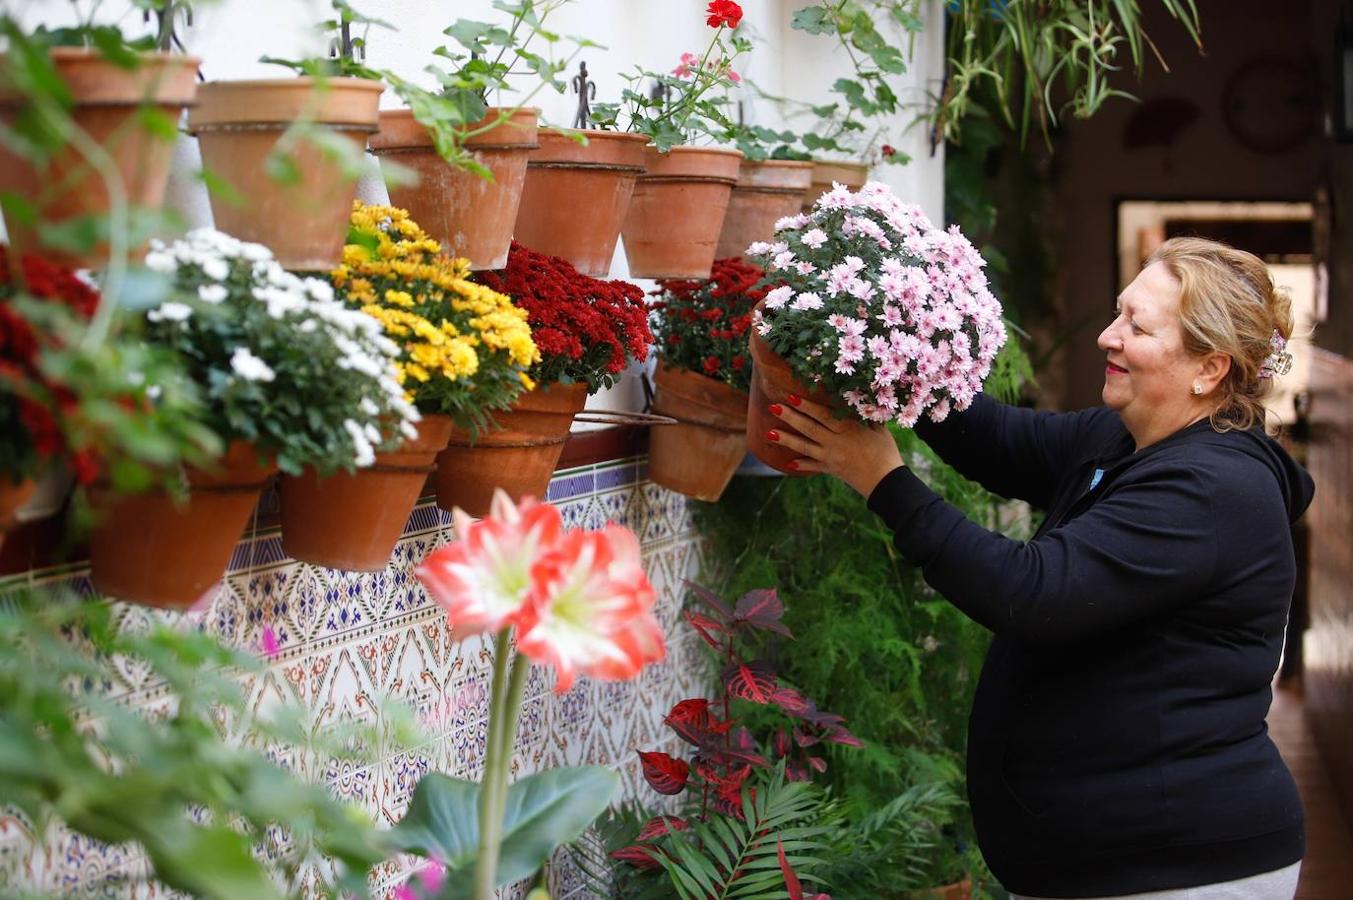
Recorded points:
(1197, 388)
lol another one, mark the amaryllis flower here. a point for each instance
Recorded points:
(483, 579)
(590, 609)
(723, 12)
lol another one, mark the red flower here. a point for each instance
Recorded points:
(587, 329)
(665, 774)
(711, 365)
(888, 150)
(702, 325)
(723, 13)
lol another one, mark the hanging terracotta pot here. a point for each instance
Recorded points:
(108, 100)
(353, 520)
(766, 192)
(698, 455)
(853, 175)
(772, 382)
(148, 549)
(13, 496)
(576, 196)
(470, 216)
(519, 457)
(240, 125)
(674, 218)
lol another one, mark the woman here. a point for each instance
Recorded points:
(1117, 743)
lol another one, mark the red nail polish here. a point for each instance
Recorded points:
(794, 399)
(792, 465)
(775, 409)
(772, 436)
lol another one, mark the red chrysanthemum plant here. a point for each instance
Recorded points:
(111, 409)
(725, 756)
(701, 326)
(587, 329)
(577, 601)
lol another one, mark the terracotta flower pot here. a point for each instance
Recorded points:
(13, 495)
(772, 382)
(472, 217)
(672, 227)
(240, 124)
(576, 197)
(147, 549)
(697, 456)
(519, 457)
(107, 99)
(853, 175)
(766, 191)
(353, 520)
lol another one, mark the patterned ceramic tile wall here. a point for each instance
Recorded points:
(348, 639)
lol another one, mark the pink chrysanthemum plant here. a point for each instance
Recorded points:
(576, 601)
(875, 305)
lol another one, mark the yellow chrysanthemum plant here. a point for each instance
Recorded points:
(466, 348)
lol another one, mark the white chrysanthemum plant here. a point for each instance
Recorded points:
(873, 304)
(284, 365)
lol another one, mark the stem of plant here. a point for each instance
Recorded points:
(490, 818)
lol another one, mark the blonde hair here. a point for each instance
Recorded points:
(1229, 304)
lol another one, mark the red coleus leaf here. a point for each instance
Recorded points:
(665, 774)
(706, 627)
(754, 681)
(844, 737)
(818, 763)
(761, 609)
(638, 855)
(660, 826)
(791, 880)
(693, 722)
(781, 743)
(790, 700)
(710, 599)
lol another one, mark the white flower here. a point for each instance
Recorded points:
(365, 453)
(779, 297)
(369, 407)
(212, 293)
(216, 269)
(250, 367)
(320, 290)
(807, 300)
(814, 238)
(158, 261)
(170, 312)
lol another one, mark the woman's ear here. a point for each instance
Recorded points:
(1215, 367)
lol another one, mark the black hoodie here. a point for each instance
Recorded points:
(1117, 741)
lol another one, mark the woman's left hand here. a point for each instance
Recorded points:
(858, 454)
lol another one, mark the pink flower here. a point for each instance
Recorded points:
(271, 646)
(483, 578)
(686, 68)
(590, 610)
(734, 77)
(814, 237)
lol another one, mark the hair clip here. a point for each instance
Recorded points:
(1279, 362)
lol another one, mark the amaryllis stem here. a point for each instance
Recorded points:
(495, 768)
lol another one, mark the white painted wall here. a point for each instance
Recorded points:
(231, 35)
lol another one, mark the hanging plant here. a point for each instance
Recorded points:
(701, 326)
(588, 330)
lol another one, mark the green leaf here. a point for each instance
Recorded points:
(543, 811)
(814, 20)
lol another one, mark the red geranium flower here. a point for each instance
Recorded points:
(724, 12)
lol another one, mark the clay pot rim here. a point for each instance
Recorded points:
(413, 134)
(707, 164)
(559, 133)
(147, 89)
(616, 151)
(333, 106)
(781, 163)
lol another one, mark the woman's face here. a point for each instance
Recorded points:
(1149, 376)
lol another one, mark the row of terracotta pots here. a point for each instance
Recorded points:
(150, 549)
(678, 211)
